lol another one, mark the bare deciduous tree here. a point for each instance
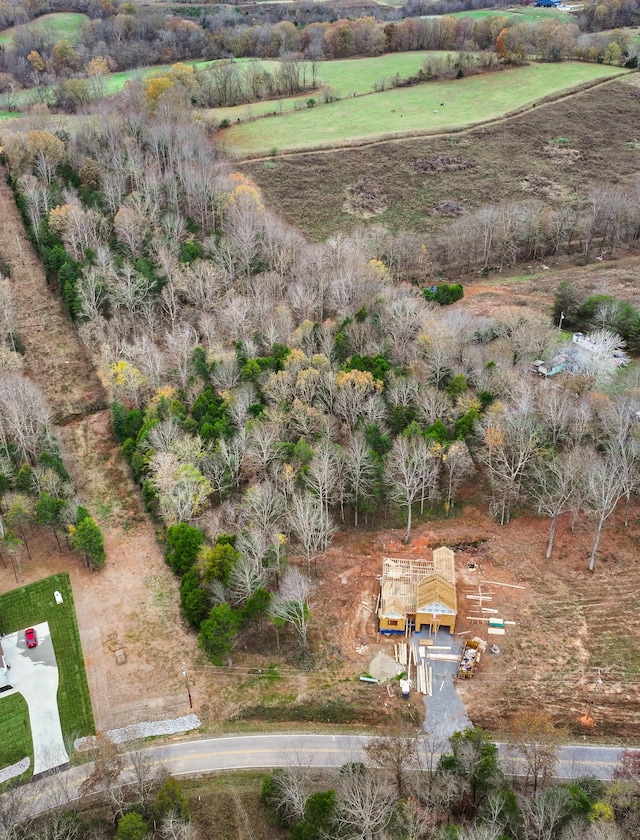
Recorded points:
(553, 486)
(108, 764)
(361, 473)
(175, 827)
(543, 814)
(290, 604)
(180, 343)
(289, 790)
(535, 739)
(364, 803)
(322, 475)
(409, 470)
(602, 487)
(511, 440)
(24, 418)
(183, 492)
(457, 464)
(397, 756)
(310, 524)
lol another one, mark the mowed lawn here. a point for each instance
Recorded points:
(58, 24)
(432, 107)
(15, 730)
(33, 604)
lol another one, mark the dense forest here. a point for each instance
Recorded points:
(267, 390)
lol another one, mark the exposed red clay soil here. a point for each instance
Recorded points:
(568, 622)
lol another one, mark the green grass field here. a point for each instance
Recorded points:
(58, 25)
(33, 604)
(345, 77)
(15, 730)
(525, 14)
(466, 101)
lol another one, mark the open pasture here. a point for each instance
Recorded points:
(510, 160)
(346, 77)
(428, 108)
(57, 25)
(525, 14)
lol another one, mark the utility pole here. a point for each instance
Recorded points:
(185, 674)
(597, 685)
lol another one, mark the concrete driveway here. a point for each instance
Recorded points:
(34, 674)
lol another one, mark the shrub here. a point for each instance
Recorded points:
(183, 544)
(218, 632)
(132, 827)
(170, 798)
(444, 294)
(194, 600)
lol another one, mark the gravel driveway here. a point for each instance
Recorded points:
(445, 711)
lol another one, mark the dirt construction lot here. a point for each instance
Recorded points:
(568, 622)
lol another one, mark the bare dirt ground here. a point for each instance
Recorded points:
(568, 622)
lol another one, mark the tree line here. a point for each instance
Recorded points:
(463, 795)
(35, 487)
(415, 787)
(121, 37)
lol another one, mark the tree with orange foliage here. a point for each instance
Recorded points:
(535, 740)
(35, 60)
(154, 88)
(501, 47)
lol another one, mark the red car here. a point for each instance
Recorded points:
(30, 637)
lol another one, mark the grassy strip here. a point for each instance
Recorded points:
(15, 730)
(527, 14)
(345, 77)
(466, 101)
(58, 24)
(35, 603)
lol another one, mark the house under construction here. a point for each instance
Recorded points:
(418, 593)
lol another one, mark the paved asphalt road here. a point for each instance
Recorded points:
(247, 751)
(262, 751)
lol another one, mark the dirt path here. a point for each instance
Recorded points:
(403, 137)
(65, 374)
(134, 599)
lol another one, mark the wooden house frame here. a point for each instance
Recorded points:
(418, 592)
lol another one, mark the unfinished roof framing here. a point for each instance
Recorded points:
(419, 590)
